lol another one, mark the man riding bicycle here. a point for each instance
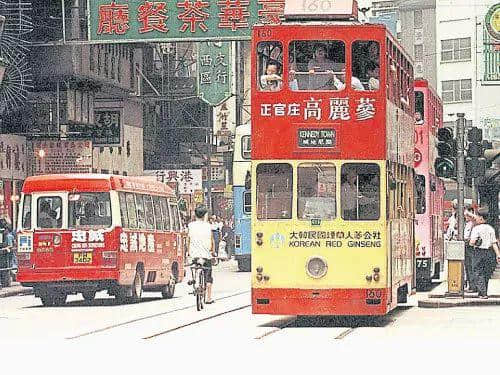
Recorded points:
(201, 246)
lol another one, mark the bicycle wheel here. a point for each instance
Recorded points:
(202, 287)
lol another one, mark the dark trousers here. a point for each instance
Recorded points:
(483, 265)
(469, 274)
(215, 233)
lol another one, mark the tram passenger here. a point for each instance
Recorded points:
(418, 118)
(320, 63)
(349, 190)
(486, 252)
(271, 81)
(373, 74)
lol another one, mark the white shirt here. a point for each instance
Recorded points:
(468, 229)
(200, 239)
(486, 233)
(452, 221)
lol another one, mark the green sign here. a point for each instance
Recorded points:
(214, 72)
(179, 20)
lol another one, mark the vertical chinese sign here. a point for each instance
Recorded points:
(214, 72)
(177, 20)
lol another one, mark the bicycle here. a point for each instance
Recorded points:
(198, 281)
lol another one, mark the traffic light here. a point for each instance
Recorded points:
(445, 164)
(475, 163)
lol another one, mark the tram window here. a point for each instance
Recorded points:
(316, 191)
(141, 219)
(270, 66)
(27, 212)
(274, 191)
(420, 193)
(131, 211)
(316, 65)
(49, 212)
(150, 216)
(245, 147)
(123, 209)
(247, 202)
(360, 191)
(365, 65)
(419, 108)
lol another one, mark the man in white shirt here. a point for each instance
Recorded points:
(469, 251)
(201, 245)
(486, 252)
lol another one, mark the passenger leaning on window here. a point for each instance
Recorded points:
(271, 81)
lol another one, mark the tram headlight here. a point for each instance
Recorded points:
(316, 267)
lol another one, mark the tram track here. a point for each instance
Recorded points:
(152, 316)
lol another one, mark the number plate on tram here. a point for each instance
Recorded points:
(82, 258)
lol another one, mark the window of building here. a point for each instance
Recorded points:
(365, 65)
(274, 191)
(456, 49)
(457, 91)
(419, 52)
(418, 19)
(49, 212)
(245, 147)
(360, 191)
(270, 66)
(316, 65)
(316, 191)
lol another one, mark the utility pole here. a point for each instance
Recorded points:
(460, 174)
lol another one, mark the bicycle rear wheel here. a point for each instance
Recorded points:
(201, 289)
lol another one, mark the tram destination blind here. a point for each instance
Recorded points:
(317, 138)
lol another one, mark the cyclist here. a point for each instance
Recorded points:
(201, 246)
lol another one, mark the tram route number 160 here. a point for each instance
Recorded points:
(317, 5)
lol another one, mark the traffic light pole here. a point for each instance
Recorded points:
(460, 174)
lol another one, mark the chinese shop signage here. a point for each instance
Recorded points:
(214, 69)
(492, 21)
(317, 138)
(106, 130)
(188, 180)
(62, 157)
(177, 20)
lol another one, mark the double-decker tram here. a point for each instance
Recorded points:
(82, 233)
(241, 197)
(429, 204)
(332, 165)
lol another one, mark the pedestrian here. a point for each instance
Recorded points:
(215, 231)
(452, 224)
(486, 252)
(469, 251)
(201, 247)
(227, 235)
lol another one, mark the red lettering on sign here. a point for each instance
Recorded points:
(193, 15)
(113, 19)
(271, 11)
(153, 16)
(234, 14)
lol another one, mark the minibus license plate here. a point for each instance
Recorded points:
(85, 258)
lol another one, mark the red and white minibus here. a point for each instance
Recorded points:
(83, 233)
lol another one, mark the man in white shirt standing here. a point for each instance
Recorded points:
(201, 245)
(486, 252)
(469, 251)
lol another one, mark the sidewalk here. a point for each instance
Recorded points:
(14, 290)
(437, 298)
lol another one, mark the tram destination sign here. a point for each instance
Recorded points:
(179, 20)
(317, 138)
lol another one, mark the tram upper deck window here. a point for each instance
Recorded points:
(365, 65)
(419, 108)
(245, 147)
(360, 191)
(270, 66)
(274, 191)
(315, 65)
(316, 191)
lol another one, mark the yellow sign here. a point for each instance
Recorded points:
(198, 196)
(85, 258)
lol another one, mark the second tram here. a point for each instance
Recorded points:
(429, 205)
(332, 169)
